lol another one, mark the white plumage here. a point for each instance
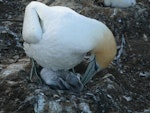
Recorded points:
(119, 3)
(58, 38)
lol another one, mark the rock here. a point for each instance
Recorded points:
(109, 85)
(108, 75)
(14, 68)
(145, 111)
(48, 101)
(144, 74)
(84, 107)
(70, 109)
(127, 98)
(54, 107)
(145, 37)
(11, 83)
(16, 57)
(40, 106)
(2, 111)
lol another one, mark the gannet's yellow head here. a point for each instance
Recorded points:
(105, 51)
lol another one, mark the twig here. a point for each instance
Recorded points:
(122, 46)
(121, 51)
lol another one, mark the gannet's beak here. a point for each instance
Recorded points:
(91, 70)
(102, 55)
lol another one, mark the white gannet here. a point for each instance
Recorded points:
(58, 38)
(120, 3)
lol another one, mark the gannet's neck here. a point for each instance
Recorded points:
(32, 30)
(106, 49)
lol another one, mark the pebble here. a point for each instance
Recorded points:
(144, 74)
(39, 107)
(127, 98)
(14, 68)
(54, 107)
(84, 107)
(145, 37)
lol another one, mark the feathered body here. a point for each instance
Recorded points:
(119, 3)
(58, 38)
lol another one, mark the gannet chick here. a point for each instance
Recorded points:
(63, 80)
(58, 38)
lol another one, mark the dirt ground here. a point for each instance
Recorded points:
(124, 87)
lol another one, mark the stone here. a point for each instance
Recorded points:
(84, 107)
(14, 68)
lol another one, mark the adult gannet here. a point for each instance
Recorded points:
(120, 3)
(58, 38)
